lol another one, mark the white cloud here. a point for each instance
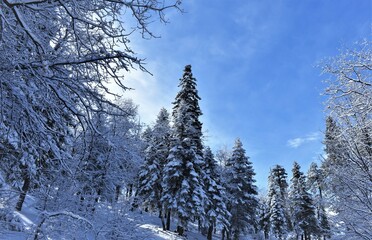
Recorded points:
(149, 93)
(297, 142)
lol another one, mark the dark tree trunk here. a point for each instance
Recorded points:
(162, 220)
(129, 190)
(22, 196)
(180, 230)
(210, 232)
(168, 220)
(225, 234)
(117, 193)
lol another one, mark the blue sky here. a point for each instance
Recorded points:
(255, 63)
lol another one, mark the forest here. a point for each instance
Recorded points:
(76, 160)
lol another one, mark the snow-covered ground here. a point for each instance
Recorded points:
(131, 225)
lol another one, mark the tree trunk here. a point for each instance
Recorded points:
(210, 232)
(180, 230)
(162, 219)
(168, 220)
(117, 193)
(22, 196)
(225, 233)
(129, 190)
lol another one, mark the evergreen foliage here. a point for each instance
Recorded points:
(303, 211)
(264, 217)
(184, 193)
(280, 223)
(216, 212)
(156, 154)
(316, 184)
(242, 192)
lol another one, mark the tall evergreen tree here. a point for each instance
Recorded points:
(156, 154)
(280, 223)
(303, 210)
(215, 208)
(184, 193)
(242, 191)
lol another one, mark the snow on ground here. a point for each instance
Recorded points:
(134, 224)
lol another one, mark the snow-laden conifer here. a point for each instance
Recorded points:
(303, 211)
(242, 192)
(315, 182)
(216, 213)
(184, 193)
(263, 215)
(156, 154)
(279, 218)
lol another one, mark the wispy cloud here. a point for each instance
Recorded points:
(297, 142)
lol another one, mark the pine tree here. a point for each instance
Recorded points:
(264, 217)
(280, 223)
(156, 154)
(315, 183)
(303, 210)
(242, 192)
(334, 146)
(184, 193)
(215, 209)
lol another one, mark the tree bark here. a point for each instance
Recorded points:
(168, 220)
(162, 219)
(22, 196)
(180, 230)
(210, 232)
(117, 193)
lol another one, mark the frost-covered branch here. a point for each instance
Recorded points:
(59, 60)
(48, 215)
(349, 138)
(11, 3)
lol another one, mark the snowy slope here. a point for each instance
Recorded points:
(133, 225)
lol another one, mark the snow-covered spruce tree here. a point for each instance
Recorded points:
(184, 193)
(263, 215)
(216, 212)
(242, 201)
(303, 211)
(57, 60)
(315, 182)
(277, 197)
(350, 166)
(150, 187)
